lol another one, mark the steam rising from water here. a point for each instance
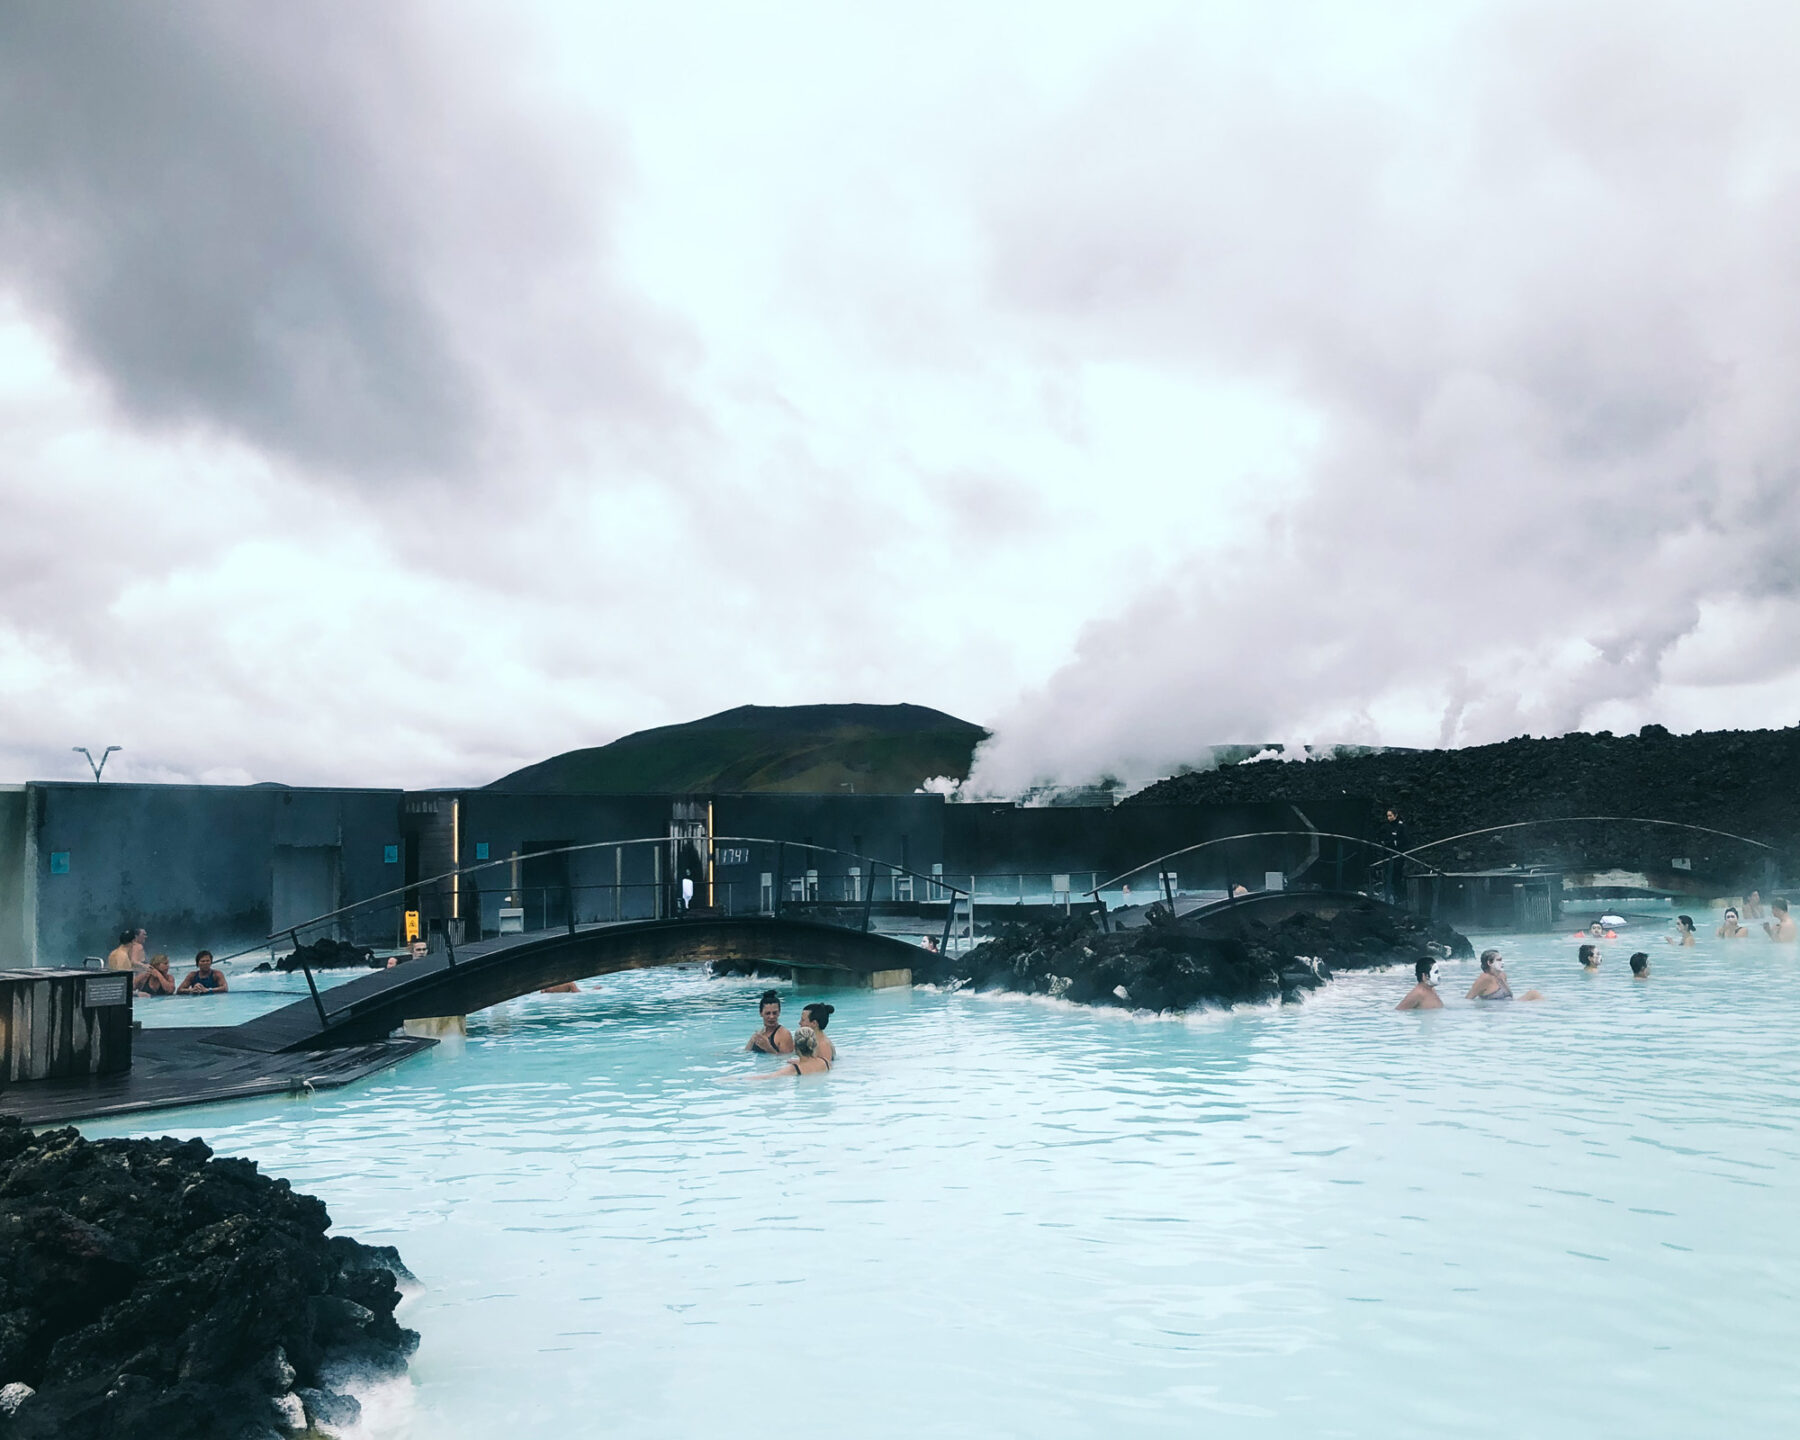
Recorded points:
(1543, 312)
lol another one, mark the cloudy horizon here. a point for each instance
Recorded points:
(401, 395)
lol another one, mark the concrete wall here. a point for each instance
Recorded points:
(15, 888)
(208, 865)
(193, 864)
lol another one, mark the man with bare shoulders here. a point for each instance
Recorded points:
(772, 1039)
(1423, 995)
(818, 1016)
(1780, 925)
(1753, 905)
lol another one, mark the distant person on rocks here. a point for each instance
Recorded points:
(1640, 966)
(1393, 836)
(772, 1039)
(1491, 983)
(1729, 928)
(1423, 995)
(155, 979)
(1753, 906)
(1780, 924)
(203, 979)
(818, 1016)
(1589, 955)
(1684, 932)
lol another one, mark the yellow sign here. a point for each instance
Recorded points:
(412, 926)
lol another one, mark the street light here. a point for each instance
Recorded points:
(96, 767)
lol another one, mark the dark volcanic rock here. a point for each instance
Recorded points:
(151, 1292)
(1171, 966)
(328, 954)
(1746, 782)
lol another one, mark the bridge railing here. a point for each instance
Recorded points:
(1357, 863)
(726, 875)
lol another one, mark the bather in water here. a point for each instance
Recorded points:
(806, 1061)
(1423, 995)
(1730, 928)
(1491, 983)
(1684, 932)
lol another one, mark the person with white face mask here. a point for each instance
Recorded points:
(1423, 995)
(1492, 984)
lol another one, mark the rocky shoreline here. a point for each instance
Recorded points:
(150, 1291)
(1169, 965)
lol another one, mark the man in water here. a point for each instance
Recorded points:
(203, 979)
(1780, 924)
(1729, 928)
(1491, 983)
(1423, 995)
(1640, 966)
(771, 1039)
(1753, 906)
(119, 957)
(1589, 955)
(818, 1015)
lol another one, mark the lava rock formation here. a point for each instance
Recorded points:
(149, 1291)
(1169, 965)
(1746, 782)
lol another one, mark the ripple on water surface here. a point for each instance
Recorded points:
(1009, 1217)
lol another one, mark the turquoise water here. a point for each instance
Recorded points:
(1001, 1217)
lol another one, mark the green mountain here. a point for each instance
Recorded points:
(817, 749)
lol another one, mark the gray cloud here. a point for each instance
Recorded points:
(324, 230)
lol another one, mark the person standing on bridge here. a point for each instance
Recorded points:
(772, 1039)
(1393, 836)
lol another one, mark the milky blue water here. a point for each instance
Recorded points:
(1011, 1218)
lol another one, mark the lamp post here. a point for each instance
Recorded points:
(95, 765)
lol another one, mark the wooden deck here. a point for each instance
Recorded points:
(190, 1066)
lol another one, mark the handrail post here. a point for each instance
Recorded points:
(780, 875)
(949, 920)
(569, 892)
(306, 970)
(869, 899)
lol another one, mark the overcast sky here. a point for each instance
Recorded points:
(399, 394)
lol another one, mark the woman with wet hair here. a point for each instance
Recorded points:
(818, 1015)
(806, 1059)
(1730, 928)
(1684, 932)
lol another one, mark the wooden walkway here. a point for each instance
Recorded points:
(198, 1066)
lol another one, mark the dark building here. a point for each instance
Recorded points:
(228, 866)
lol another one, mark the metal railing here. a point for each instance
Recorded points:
(847, 897)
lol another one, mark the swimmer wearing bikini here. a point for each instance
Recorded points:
(1491, 983)
(1423, 995)
(806, 1059)
(1684, 932)
(1730, 929)
(772, 1039)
